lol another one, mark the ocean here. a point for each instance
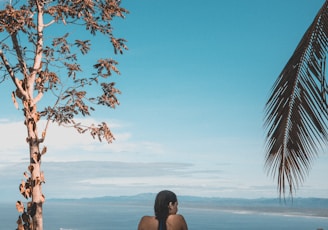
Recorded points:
(118, 215)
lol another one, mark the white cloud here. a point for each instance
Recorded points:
(66, 144)
(120, 178)
(78, 166)
(85, 167)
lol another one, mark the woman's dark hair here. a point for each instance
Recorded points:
(161, 207)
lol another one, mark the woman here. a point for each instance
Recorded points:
(166, 217)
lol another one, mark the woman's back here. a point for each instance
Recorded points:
(173, 222)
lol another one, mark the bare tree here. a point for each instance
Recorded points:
(297, 111)
(40, 58)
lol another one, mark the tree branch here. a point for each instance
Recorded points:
(39, 46)
(37, 98)
(12, 74)
(50, 23)
(19, 54)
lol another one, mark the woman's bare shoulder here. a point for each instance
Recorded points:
(147, 218)
(177, 221)
(147, 222)
(175, 217)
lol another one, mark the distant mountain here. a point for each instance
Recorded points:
(297, 206)
(296, 202)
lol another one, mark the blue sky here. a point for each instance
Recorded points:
(194, 84)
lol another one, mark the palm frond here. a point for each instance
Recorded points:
(296, 112)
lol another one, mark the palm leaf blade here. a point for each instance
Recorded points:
(296, 112)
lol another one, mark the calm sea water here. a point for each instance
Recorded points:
(72, 215)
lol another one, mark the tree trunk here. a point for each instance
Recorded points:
(37, 197)
(31, 117)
